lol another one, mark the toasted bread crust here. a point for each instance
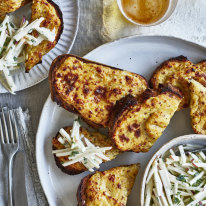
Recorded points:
(95, 137)
(81, 191)
(98, 114)
(146, 95)
(169, 88)
(153, 81)
(120, 108)
(90, 191)
(35, 53)
(54, 95)
(60, 15)
(141, 125)
(178, 72)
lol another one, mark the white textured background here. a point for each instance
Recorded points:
(187, 22)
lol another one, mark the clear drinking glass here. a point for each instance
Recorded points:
(170, 9)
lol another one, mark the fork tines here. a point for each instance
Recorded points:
(8, 126)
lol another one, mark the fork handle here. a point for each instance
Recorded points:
(10, 182)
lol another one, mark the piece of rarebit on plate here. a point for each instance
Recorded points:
(89, 152)
(8, 6)
(178, 72)
(53, 21)
(111, 187)
(136, 126)
(91, 89)
(198, 107)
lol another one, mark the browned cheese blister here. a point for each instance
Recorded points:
(137, 127)
(179, 72)
(52, 20)
(91, 89)
(109, 188)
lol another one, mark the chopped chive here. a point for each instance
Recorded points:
(11, 25)
(74, 153)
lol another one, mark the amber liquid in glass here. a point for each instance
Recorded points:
(145, 11)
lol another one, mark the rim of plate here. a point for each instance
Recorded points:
(68, 50)
(173, 142)
(87, 56)
(141, 36)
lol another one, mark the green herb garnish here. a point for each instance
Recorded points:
(7, 41)
(74, 153)
(197, 183)
(177, 200)
(197, 173)
(181, 178)
(85, 160)
(11, 25)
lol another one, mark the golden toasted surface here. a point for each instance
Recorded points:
(8, 6)
(53, 19)
(200, 75)
(96, 138)
(111, 187)
(139, 126)
(91, 89)
(178, 72)
(198, 107)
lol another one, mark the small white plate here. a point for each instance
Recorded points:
(139, 54)
(70, 12)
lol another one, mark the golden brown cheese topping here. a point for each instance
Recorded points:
(111, 187)
(53, 20)
(198, 107)
(93, 89)
(141, 125)
(178, 72)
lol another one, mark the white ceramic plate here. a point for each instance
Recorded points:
(137, 54)
(70, 11)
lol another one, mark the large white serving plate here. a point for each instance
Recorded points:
(70, 13)
(139, 54)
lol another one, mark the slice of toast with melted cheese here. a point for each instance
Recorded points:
(8, 6)
(109, 188)
(198, 107)
(52, 20)
(95, 138)
(91, 89)
(178, 72)
(136, 127)
(200, 75)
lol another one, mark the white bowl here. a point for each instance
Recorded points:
(168, 13)
(194, 139)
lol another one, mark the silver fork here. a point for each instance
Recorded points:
(9, 139)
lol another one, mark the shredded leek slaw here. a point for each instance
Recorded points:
(12, 44)
(177, 180)
(79, 149)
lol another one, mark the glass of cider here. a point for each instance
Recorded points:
(147, 12)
